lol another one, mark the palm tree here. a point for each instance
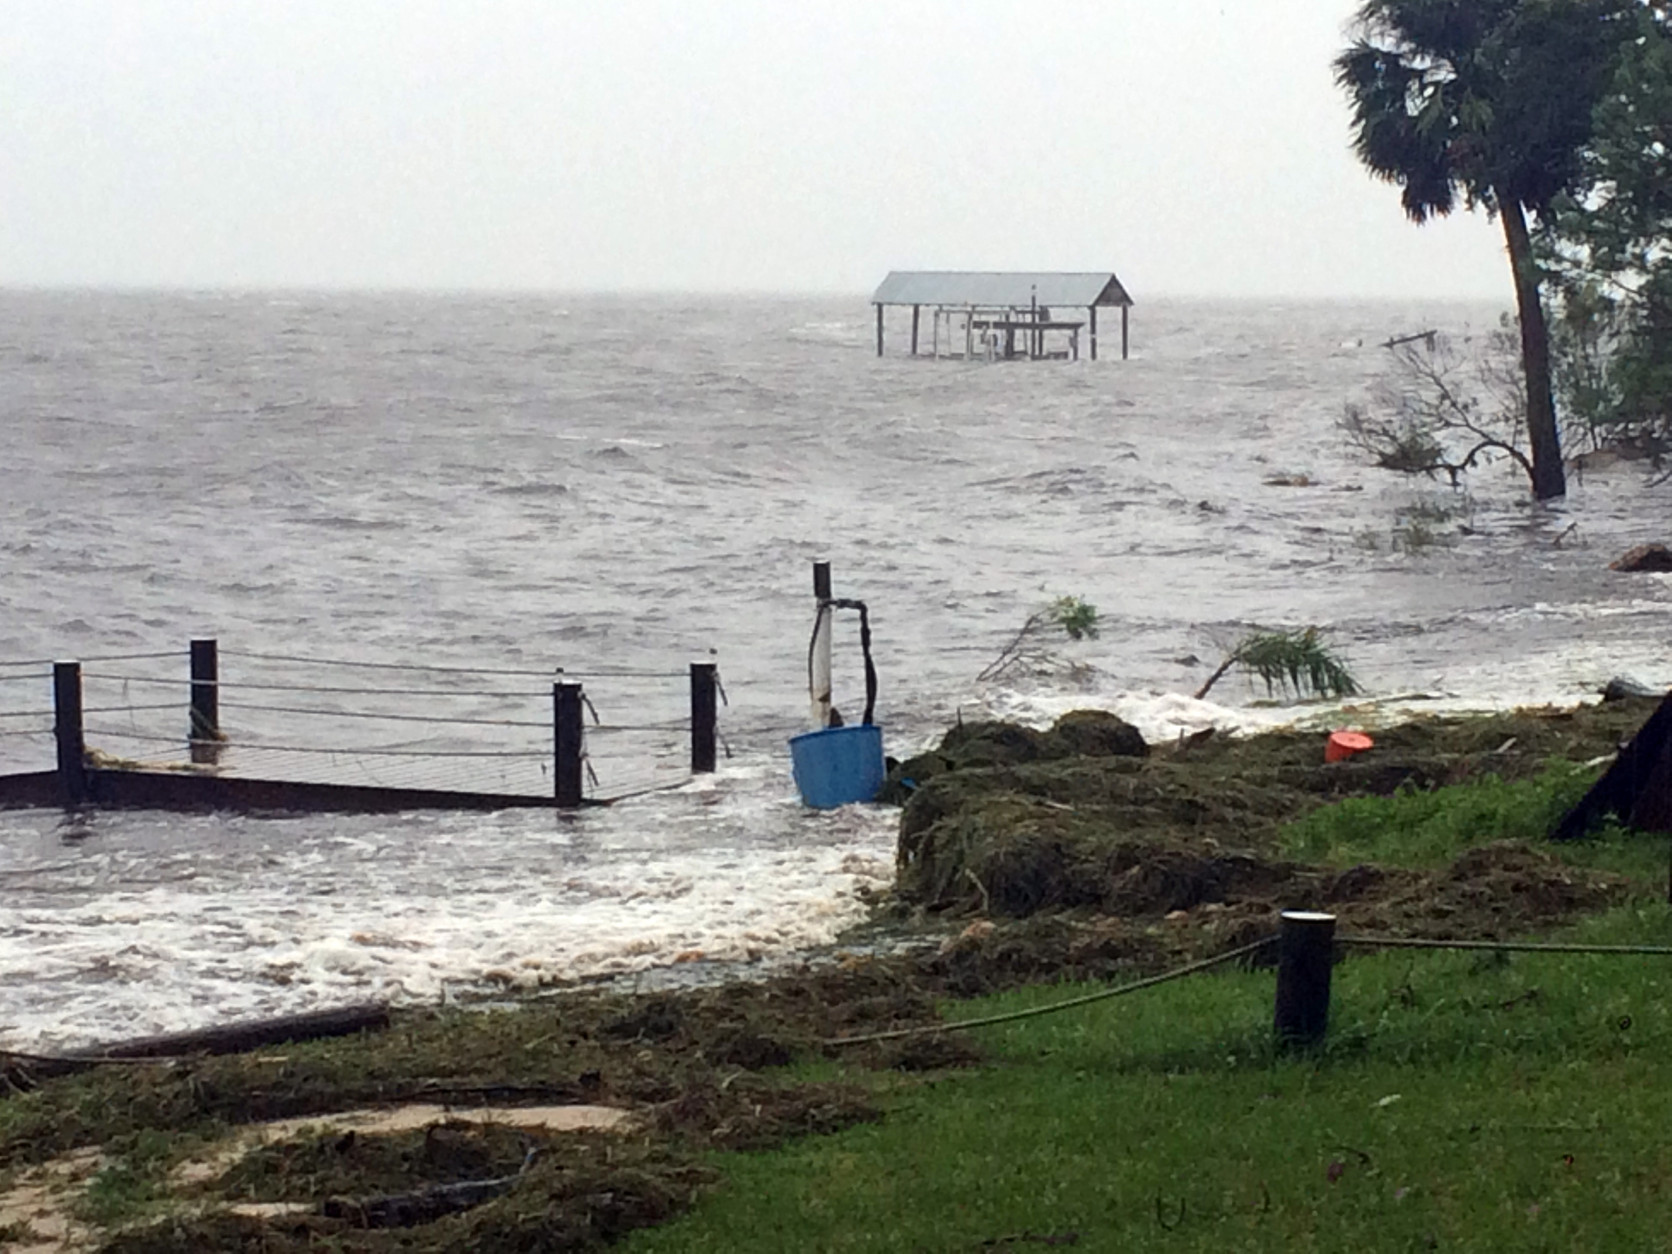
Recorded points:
(1486, 103)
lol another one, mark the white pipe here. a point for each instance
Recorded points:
(819, 668)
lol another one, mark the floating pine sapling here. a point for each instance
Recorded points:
(1296, 661)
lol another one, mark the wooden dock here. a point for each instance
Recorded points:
(307, 740)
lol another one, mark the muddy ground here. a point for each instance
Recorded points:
(1077, 853)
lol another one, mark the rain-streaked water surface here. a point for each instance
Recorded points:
(619, 486)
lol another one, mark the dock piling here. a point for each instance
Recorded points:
(568, 732)
(204, 732)
(704, 717)
(67, 726)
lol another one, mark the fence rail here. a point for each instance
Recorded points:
(265, 750)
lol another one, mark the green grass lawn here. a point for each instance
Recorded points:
(1428, 828)
(1464, 1102)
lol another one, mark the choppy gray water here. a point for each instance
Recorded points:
(627, 484)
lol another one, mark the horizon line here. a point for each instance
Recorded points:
(735, 293)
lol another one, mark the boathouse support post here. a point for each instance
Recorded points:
(567, 735)
(1093, 312)
(204, 729)
(1306, 951)
(1125, 312)
(705, 684)
(67, 726)
(879, 330)
(916, 311)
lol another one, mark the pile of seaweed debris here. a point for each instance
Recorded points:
(1007, 822)
(137, 1154)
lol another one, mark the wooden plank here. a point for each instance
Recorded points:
(189, 790)
(33, 790)
(248, 1034)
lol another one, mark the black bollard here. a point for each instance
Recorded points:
(1305, 953)
(704, 717)
(568, 732)
(72, 746)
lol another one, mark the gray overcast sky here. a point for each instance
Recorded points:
(1195, 146)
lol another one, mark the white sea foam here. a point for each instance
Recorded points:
(394, 909)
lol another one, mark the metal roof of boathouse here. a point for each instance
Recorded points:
(1002, 289)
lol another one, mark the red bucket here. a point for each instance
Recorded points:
(1344, 744)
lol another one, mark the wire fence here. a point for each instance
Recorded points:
(292, 716)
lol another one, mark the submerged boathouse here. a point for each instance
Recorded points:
(1003, 315)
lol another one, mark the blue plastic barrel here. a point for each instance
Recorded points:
(838, 765)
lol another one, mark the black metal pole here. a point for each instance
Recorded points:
(204, 731)
(1305, 953)
(704, 717)
(567, 733)
(915, 311)
(1094, 332)
(72, 746)
(879, 330)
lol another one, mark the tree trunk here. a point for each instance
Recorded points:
(1548, 478)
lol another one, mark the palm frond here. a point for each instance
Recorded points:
(1296, 661)
(1289, 661)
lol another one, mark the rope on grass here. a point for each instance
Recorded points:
(1034, 1012)
(1508, 947)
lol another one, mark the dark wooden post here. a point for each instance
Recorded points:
(1094, 332)
(204, 731)
(72, 745)
(1305, 953)
(1124, 311)
(704, 716)
(879, 330)
(915, 311)
(568, 732)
